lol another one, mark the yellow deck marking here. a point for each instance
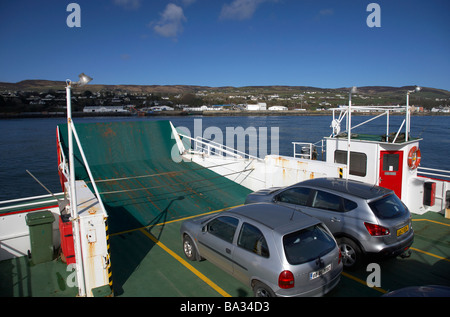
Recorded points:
(187, 265)
(176, 220)
(440, 223)
(174, 255)
(195, 216)
(431, 254)
(220, 290)
(363, 282)
(428, 253)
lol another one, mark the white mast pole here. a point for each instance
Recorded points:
(73, 199)
(408, 116)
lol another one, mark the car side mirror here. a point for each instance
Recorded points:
(204, 228)
(275, 199)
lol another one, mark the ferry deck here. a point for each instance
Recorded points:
(148, 262)
(147, 195)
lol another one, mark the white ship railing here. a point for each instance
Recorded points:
(200, 145)
(345, 112)
(307, 149)
(29, 201)
(433, 172)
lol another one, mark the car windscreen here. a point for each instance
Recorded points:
(308, 244)
(388, 207)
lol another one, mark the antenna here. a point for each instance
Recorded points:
(292, 215)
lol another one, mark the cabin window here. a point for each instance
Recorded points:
(390, 162)
(358, 162)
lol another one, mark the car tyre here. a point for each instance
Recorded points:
(262, 290)
(189, 248)
(352, 255)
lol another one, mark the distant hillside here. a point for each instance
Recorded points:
(45, 85)
(377, 90)
(290, 96)
(42, 85)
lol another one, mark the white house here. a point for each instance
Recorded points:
(277, 108)
(258, 106)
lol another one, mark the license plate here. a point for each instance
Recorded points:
(402, 230)
(321, 272)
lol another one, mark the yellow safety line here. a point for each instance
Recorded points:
(173, 254)
(215, 286)
(195, 216)
(430, 254)
(176, 220)
(187, 265)
(362, 282)
(414, 249)
(440, 223)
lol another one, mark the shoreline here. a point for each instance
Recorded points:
(233, 113)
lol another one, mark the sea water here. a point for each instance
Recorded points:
(30, 144)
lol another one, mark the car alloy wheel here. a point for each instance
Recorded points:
(351, 253)
(189, 249)
(348, 255)
(262, 290)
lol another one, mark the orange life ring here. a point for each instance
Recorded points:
(414, 157)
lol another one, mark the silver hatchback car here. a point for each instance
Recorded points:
(273, 249)
(364, 219)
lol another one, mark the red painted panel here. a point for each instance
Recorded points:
(391, 167)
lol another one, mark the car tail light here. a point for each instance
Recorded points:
(286, 280)
(340, 256)
(376, 230)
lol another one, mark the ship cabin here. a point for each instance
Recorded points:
(389, 160)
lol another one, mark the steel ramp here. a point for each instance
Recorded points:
(139, 182)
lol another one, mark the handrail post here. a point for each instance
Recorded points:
(73, 198)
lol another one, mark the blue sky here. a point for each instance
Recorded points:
(320, 43)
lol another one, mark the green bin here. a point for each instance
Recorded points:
(41, 235)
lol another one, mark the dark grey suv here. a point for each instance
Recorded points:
(364, 219)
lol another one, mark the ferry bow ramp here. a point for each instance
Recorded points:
(142, 186)
(139, 182)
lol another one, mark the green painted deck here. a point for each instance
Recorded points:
(143, 268)
(149, 198)
(138, 180)
(142, 186)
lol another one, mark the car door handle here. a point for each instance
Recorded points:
(334, 219)
(228, 251)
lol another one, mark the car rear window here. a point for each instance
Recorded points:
(388, 207)
(307, 244)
